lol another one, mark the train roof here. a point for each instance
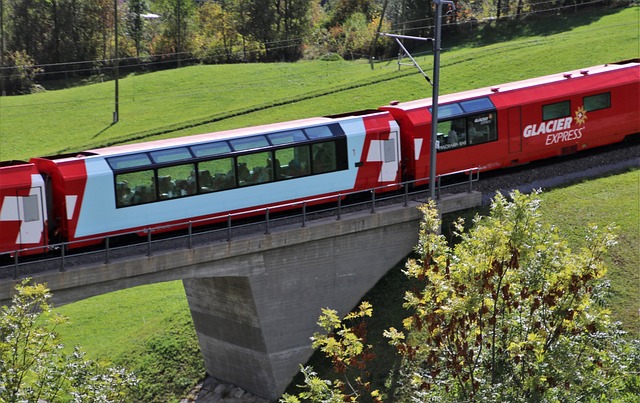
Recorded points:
(221, 136)
(512, 87)
(241, 139)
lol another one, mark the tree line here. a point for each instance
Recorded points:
(49, 39)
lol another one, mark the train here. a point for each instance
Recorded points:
(82, 197)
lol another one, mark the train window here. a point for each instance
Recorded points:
(30, 208)
(176, 181)
(461, 132)
(477, 105)
(597, 102)
(324, 157)
(254, 168)
(287, 137)
(451, 134)
(217, 174)
(174, 154)
(319, 132)
(210, 149)
(248, 143)
(447, 111)
(297, 162)
(481, 128)
(135, 188)
(556, 111)
(129, 161)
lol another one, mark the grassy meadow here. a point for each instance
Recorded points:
(149, 328)
(200, 99)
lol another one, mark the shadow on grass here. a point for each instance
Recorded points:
(95, 136)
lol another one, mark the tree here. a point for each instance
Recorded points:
(344, 343)
(511, 313)
(22, 73)
(33, 365)
(135, 22)
(177, 26)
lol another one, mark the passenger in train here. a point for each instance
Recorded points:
(452, 137)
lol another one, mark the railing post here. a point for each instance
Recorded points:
(148, 241)
(470, 181)
(15, 266)
(339, 206)
(438, 186)
(229, 228)
(62, 256)
(190, 234)
(373, 201)
(304, 214)
(406, 194)
(106, 250)
(266, 222)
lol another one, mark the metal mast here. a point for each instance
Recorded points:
(435, 85)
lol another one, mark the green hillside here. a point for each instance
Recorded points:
(177, 102)
(149, 328)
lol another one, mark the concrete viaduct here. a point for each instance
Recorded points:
(255, 300)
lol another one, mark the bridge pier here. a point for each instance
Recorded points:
(254, 331)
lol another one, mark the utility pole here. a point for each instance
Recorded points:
(2, 93)
(435, 85)
(116, 112)
(436, 89)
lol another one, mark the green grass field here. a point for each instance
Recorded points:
(178, 102)
(143, 326)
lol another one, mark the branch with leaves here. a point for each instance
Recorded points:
(33, 364)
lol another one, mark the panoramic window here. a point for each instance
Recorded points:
(129, 161)
(211, 149)
(215, 175)
(291, 136)
(596, 102)
(171, 155)
(556, 111)
(293, 162)
(324, 157)
(175, 181)
(135, 188)
(254, 168)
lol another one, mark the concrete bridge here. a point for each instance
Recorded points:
(255, 299)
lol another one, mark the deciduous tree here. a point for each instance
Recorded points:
(511, 313)
(33, 365)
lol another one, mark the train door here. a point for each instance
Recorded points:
(389, 153)
(31, 212)
(515, 137)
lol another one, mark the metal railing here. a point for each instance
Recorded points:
(215, 228)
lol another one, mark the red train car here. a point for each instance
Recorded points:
(516, 123)
(23, 210)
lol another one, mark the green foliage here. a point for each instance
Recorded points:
(22, 73)
(344, 343)
(34, 366)
(510, 313)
